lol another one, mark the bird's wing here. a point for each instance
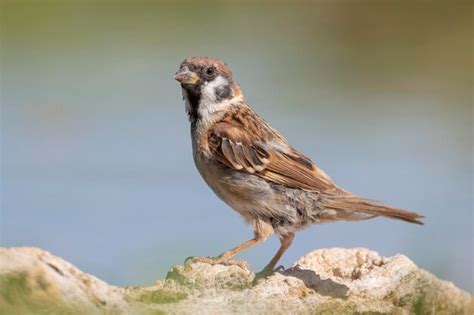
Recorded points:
(246, 145)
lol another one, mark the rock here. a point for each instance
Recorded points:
(328, 281)
(34, 280)
(205, 277)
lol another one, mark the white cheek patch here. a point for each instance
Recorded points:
(209, 89)
(209, 105)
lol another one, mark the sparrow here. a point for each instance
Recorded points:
(252, 167)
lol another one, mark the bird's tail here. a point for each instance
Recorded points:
(358, 204)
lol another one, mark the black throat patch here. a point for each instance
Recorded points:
(193, 94)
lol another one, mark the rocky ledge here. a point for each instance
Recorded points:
(328, 281)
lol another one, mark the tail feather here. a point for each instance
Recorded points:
(359, 204)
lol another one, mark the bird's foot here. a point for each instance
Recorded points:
(219, 260)
(266, 272)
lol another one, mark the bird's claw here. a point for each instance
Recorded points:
(266, 272)
(189, 259)
(262, 275)
(208, 259)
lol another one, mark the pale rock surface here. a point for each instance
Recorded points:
(326, 281)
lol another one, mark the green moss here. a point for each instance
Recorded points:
(13, 288)
(17, 297)
(162, 296)
(419, 306)
(152, 312)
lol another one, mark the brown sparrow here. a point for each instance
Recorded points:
(253, 168)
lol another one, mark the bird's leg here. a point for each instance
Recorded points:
(261, 232)
(285, 241)
(226, 257)
(234, 251)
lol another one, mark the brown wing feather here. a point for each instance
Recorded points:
(253, 159)
(298, 174)
(265, 153)
(229, 154)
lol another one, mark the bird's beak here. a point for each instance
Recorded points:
(185, 76)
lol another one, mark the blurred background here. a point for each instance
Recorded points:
(96, 152)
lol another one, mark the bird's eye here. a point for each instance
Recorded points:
(210, 71)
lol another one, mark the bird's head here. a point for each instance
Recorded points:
(208, 86)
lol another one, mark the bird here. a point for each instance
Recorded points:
(256, 171)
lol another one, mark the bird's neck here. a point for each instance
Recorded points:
(206, 110)
(210, 112)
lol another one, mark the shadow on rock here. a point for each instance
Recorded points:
(313, 281)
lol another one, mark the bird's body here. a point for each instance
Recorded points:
(257, 199)
(253, 168)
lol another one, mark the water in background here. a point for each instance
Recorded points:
(96, 153)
